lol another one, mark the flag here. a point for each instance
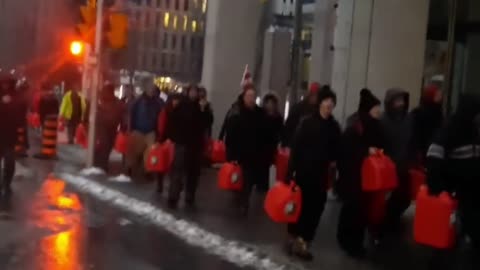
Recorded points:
(246, 78)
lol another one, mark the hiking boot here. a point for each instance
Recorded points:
(300, 250)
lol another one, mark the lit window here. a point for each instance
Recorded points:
(204, 6)
(175, 19)
(166, 19)
(194, 26)
(185, 23)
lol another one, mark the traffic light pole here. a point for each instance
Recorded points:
(96, 59)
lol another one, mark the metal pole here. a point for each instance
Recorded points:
(95, 83)
(296, 47)
(452, 20)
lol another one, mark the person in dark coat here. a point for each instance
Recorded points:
(10, 121)
(110, 115)
(298, 111)
(398, 129)
(364, 136)
(186, 128)
(273, 131)
(452, 165)
(244, 141)
(206, 108)
(234, 109)
(315, 147)
(427, 120)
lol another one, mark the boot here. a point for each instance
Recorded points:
(300, 250)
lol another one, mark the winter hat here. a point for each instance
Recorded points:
(314, 88)
(367, 100)
(326, 92)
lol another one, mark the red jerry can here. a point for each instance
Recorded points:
(81, 136)
(434, 220)
(219, 152)
(230, 177)
(283, 203)
(61, 125)
(281, 164)
(378, 173)
(159, 157)
(418, 178)
(121, 143)
(34, 120)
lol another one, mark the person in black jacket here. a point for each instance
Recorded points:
(298, 112)
(361, 138)
(398, 129)
(427, 120)
(273, 131)
(11, 120)
(452, 165)
(206, 108)
(232, 111)
(244, 142)
(315, 148)
(186, 127)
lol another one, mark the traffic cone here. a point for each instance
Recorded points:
(21, 144)
(49, 138)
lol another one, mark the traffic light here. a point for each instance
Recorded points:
(117, 35)
(87, 28)
(77, 48)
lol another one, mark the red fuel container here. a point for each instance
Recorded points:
(230, 177)
(434, 220)
(281, 164)
(283, 203)
(219, 152)
(159, 157)
(121, 143)
(418, 178)
(81, 136)
(378, 173)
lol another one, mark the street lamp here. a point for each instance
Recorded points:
(76, 48)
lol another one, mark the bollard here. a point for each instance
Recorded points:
(49, 138)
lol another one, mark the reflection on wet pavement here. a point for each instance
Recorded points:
(60, 214)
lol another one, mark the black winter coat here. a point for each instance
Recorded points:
(427, 120)
(315, 146)
(11, 120)
(273, 131)
(187, 125)
(363, 133)
(297, 113)
(245, 140)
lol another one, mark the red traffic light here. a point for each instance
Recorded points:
(77, 48)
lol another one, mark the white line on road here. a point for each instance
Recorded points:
(231, 251)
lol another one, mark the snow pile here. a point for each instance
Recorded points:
(232, 251)
(92, 171)
(120, 179)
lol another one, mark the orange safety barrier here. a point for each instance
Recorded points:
(49, 138)
(21, 144)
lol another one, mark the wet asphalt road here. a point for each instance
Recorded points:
(48, 225)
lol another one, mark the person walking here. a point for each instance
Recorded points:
(315, 147)
(186, 127)
(452, 166)
(110, 112)
(244, 141)
(363, 137)
(398, 130)
(72, 110)
(10, 109)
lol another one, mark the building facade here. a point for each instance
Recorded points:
(166, 37)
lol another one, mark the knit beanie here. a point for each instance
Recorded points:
(326, 92)
(367, 101)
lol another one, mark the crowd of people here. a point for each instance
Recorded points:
(448, 149)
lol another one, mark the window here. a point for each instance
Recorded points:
(175, 19)
(201, 26)
(158, 20)
(172, 61)
(177, 4)
(204, 6)
(147, 20)
(165, 41)
(185, 23)
(195, 3)
(154, 61)
(185, 4)
(166, 19)
(200, 45)
(174, 42)
(148, 2)
(194, 26)
(167, 4)
(192, 44)
(163, 61)
(159, 3)
(154, 40)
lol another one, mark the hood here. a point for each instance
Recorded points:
(393, 94)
